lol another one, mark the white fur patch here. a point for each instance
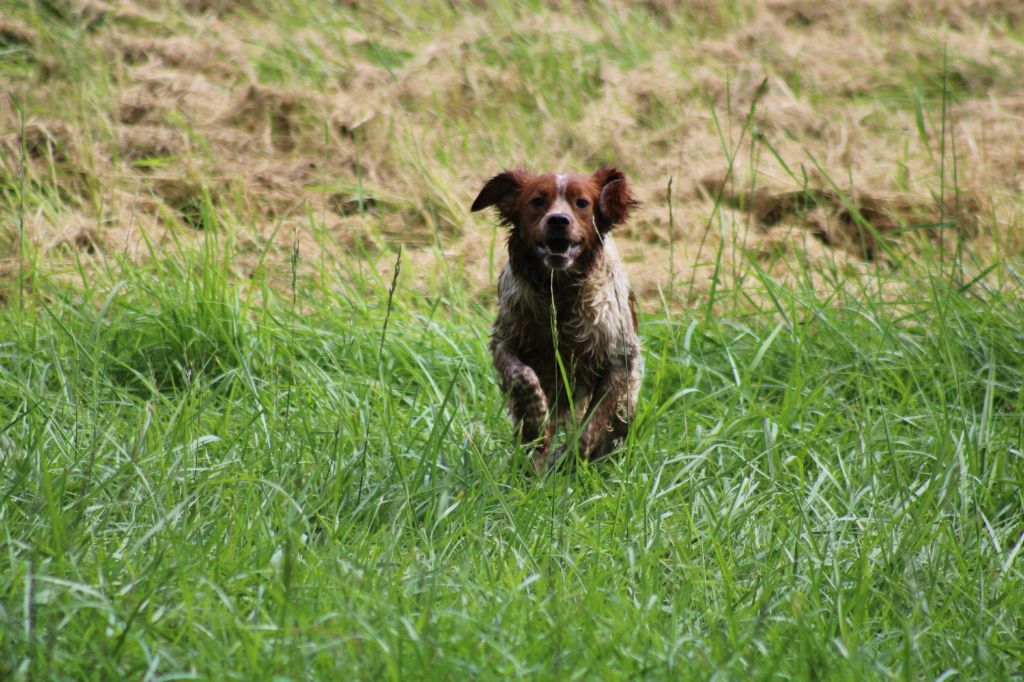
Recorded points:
(561, 203)
(561, 182)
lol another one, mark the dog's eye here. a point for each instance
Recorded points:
(582, 203)
(537, 202)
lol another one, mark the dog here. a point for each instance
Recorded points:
(565, 343)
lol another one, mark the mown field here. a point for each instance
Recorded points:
(248, 424)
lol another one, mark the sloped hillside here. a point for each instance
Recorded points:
(789, 130)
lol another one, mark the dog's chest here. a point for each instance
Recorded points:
(590, 324)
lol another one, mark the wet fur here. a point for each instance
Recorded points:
(586, 309)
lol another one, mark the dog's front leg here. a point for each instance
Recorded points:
(527, 402)
(610, 414)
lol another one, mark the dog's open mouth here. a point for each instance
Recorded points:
(559, 253)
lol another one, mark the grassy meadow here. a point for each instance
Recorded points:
(248, 423)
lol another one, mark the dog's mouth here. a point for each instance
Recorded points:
(558, 252)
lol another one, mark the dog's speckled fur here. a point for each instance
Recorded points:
(564, 288)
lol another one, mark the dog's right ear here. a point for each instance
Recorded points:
(502, 191)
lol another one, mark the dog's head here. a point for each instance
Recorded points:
(558, 220)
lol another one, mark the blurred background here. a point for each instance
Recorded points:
(789, 130)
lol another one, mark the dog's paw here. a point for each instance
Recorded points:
(541, 461)
(561, 458)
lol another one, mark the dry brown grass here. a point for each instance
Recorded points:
(378, 127)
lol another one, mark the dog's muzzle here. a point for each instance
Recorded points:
(559, 253)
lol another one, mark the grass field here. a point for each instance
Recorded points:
(248, 424)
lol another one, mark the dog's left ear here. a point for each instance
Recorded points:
(616, 199)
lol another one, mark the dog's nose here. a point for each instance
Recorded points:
(559, 221)
(556, 237)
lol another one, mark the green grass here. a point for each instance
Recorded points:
(222, 459)
(197, 483)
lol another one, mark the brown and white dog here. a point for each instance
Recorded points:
(565, 341)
